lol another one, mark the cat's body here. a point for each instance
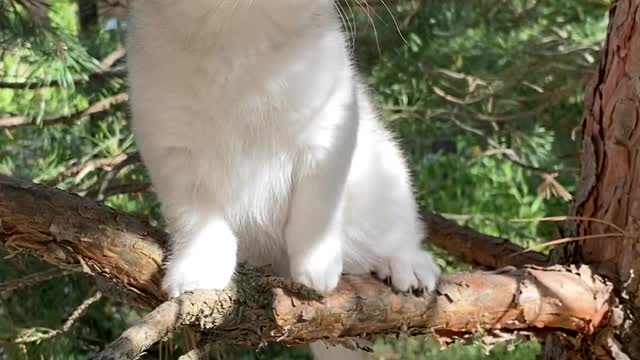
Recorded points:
(263, 146)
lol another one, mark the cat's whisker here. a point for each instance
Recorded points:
(395, 22)
(355, 24)
(346, 22)
(373, 24)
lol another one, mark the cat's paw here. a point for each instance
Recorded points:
(197, 272)
(320, 271)
(415, 270)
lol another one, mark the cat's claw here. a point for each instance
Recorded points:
(318, 272)
(412, 271)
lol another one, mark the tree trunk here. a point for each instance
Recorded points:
(609, 191)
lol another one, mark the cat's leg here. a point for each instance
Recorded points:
(383, 211)
(203, 254)
(203, 247)
(314, 230)
(313, 233)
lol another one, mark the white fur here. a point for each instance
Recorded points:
(263, 146)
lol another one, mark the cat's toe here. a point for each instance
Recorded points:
(382, 270)
(320, 275)
(426, 270)
(402, 275)
(195, 274)
(414, 271)
(322, 283)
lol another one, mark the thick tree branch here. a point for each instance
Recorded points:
(259, 309)
(473, 247)
(470, 246)
(79, 234)
(73, 232)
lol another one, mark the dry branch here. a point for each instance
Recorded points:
(256, 309)
(35, 335)
(79, 234)
(30, 280)
(473, 247)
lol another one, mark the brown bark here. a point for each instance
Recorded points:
(259, 309)
(610, 180)
(79, 234)
(479, 249)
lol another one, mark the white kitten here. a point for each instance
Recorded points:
(263, 146)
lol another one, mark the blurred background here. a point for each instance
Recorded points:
(486, 96)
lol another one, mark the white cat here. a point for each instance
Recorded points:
(264, 147)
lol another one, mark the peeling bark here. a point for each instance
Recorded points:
(79, 234)
(257, 309)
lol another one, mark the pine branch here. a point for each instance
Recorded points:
(39, 334)
(31, 280)
(12, 122)
(100, 75)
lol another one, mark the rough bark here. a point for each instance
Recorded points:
(257, 309)
(79, 234)
(478, 249)
(610, 181)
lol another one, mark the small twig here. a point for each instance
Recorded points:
(113, 173)
(112, 58)
(536, 168)
(117, 72)
(197, 353)
(567, 240)
(39, 334)
(121, 189)
(30, 280)
(11, 122)
(87, 166)
(570, 218)
(552, 187)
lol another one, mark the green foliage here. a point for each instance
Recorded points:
(484, 94)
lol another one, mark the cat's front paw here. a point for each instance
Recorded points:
(320, 271)
(197, 272)
(415, 270)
